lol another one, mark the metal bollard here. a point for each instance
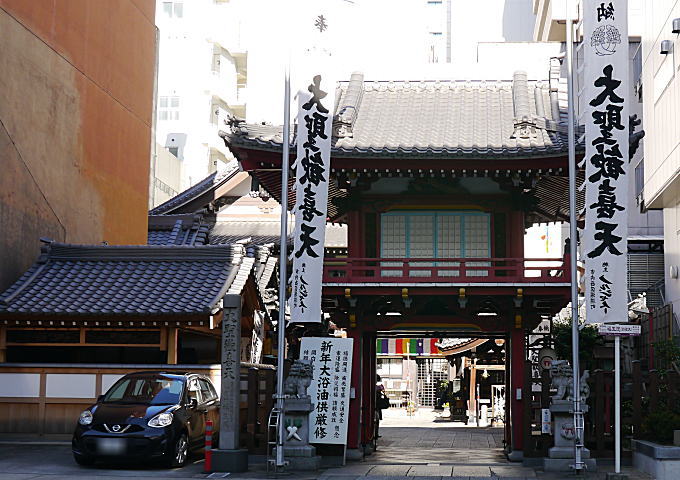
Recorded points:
(207, 466)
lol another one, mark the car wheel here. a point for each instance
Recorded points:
(83, 460)
(180, 452)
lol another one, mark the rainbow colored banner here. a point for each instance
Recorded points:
(407, 346)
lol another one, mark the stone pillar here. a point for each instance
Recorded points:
(229, 457)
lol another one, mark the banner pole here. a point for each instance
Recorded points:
(578, 415)
(617, 404)
(283, 259)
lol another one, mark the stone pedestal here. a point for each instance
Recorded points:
(233, 461)
(561, 456)
(297, 450)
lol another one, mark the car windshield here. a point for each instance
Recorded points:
(146, 390)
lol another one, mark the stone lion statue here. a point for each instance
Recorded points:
(299, 378)
(562, 380)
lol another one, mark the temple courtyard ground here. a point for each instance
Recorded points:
(422, 446)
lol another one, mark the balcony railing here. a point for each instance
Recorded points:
(445, 270)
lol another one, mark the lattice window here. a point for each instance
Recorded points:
(477, 242)
(449, 242)
(431, 372)
(436, 235)
(394, 242)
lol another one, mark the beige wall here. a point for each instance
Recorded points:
(166, 176)
(661, 90)
(75, 124)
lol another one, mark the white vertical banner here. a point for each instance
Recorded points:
(605, 99)
(332, 361)
(312, 168)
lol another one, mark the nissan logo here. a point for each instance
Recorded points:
(116, 428)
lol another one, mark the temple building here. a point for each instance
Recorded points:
(436, 182)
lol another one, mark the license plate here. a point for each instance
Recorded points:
(111, 446)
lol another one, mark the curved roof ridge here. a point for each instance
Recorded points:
(210, 182)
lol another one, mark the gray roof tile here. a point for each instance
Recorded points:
(457, 119)
(211, 182)
(126, 280)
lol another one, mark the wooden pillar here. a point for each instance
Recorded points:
(598, 414)
(253, 405)
(517, 365)
(507, 429)
(367, 388)
(3, 343)
(472, 403)
(354, 426)
(355, 233)
(173, 338)
(527, 400)
(637, 399)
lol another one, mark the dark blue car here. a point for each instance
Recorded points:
(147, 416)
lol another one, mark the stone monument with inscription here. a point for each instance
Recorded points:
(229, 457)
(298, 404)
(561, 456)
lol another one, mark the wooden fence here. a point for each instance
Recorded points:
(642, 392)
(47, 399)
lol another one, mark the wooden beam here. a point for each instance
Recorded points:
(3, 344)
(172, 345)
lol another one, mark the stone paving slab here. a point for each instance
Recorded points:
(512, 471)
(389, 470)
(430, 471)
(468, 471)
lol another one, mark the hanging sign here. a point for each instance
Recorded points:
(546, 421)
(619, 330)
(330, 388)
(605, 99)
(312, 167)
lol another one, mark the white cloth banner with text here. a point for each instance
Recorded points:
(605, 100)
(312, 168)
(330, 388)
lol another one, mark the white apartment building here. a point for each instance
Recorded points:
(661, 107)
(202, 74)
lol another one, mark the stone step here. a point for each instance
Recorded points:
(421, 477)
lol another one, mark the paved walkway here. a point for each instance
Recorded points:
(427, 447)
(420, 447)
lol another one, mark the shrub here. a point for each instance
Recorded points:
(658, 426)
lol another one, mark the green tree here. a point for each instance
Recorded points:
(588, 340)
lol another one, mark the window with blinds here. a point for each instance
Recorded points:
(435, 235)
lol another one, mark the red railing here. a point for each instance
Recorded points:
(445, 270)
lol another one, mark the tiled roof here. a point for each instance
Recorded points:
(208, 184)
(514, 118)
(267, 232)
(179, 229)
(78, 280)
(458, 345)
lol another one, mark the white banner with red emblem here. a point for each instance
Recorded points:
(605, 103)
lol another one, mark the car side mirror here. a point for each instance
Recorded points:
(193, 403)
(100, 398)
